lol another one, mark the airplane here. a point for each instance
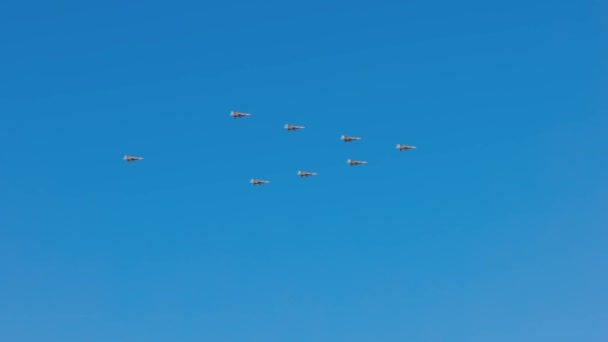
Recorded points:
(256, 182)
(355, 162)
(306, 174)
(402, 147)
(130, 159)
(292, 127)
(238, 115)
(346, 138)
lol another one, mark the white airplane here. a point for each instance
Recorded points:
(346, 138)
(256, 182)
(355, 162)
(238, 115)
(292, 127)
(402, 147)
(306, 174)
(130, 159)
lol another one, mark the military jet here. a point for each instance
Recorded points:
(238, 115)
(306, 174)
(292, 127)
(346, 138)
(130, 159)
(402, 147)
(355, 162)
(257, 182)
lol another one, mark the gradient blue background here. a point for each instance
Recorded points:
(494, 229)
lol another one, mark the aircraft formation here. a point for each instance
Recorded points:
(291, 128)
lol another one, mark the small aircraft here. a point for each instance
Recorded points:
(292, 127)
(306, 174)
(130, 159)
(238, 115)
(256, 182)
(346, 138)
(402, 147)
(355, 162)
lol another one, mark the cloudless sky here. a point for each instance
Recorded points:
(493, 229)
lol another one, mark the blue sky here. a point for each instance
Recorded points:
(494, 229)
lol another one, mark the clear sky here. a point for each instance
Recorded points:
(493, 229)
